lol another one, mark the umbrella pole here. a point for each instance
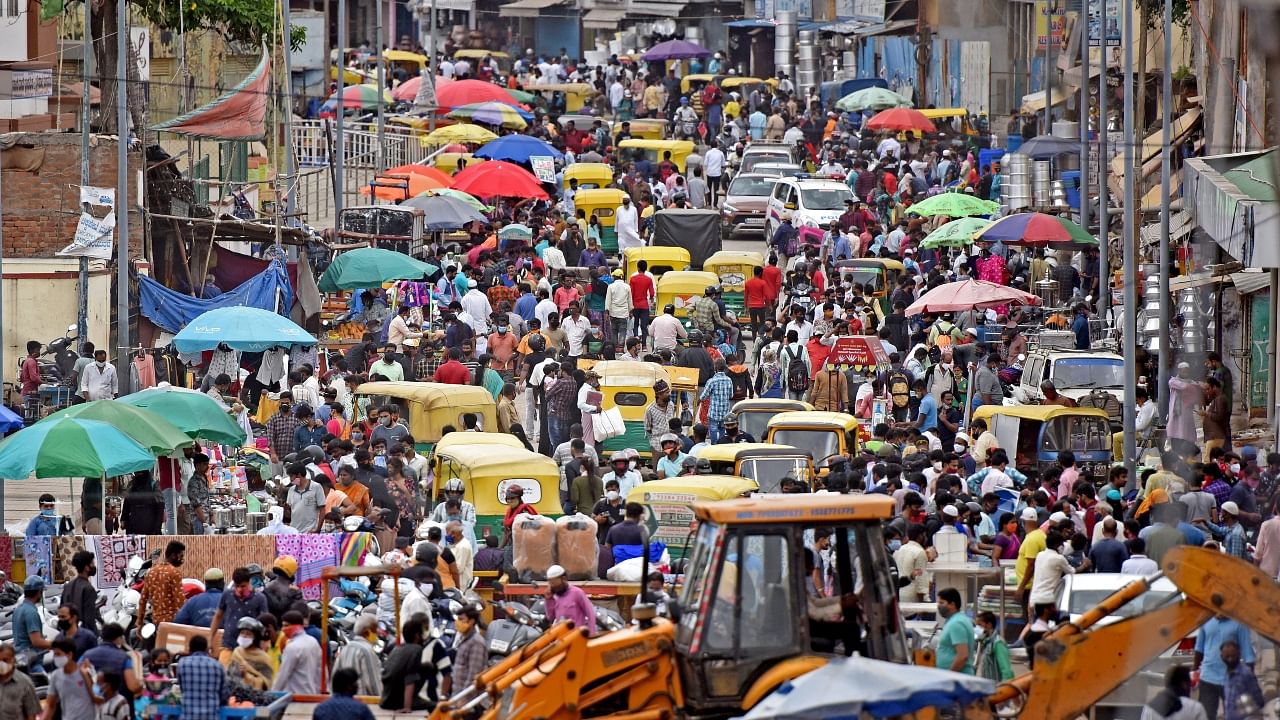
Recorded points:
(171, 501)
(968, 397)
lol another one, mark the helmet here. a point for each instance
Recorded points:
(695, 336)
(711, 290)
(250, 623)
(286, 564)
(668, 438)
(632, 454)
(538, 343)
(703, 466)
(669, 309)
(314, 452)
(455, 485)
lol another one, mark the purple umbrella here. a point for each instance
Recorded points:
(675, 50)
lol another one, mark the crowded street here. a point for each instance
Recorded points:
(543, 361)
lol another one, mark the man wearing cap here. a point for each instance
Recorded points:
(1184, 396)
(1033, 543)
(668, 465)
(732, 433)
(1230, 530)
(27, 627)
(565, 601)
(199, 610)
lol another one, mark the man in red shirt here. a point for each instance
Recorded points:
(641, 290)
(573, 137)
(453, 372)
(567, 294)
(30, 374)
(773, 279)
(756, 297)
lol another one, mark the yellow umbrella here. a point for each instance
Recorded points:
(462, 133)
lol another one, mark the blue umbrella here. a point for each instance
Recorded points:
(517, 149)
(241, 328)
(851, 687)
(9, 420)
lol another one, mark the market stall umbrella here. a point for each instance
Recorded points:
(856, 686)
(461, 133)
(954, 205)
(490, 113)
(392, 188)
(248, 329)
(957, 233)
(496, 178)
(675, 50)
(407, 91)
(470, 200)
(517, 149)
(1047, 147)
(441, 178)
(521, 96)
(900, 120)
(872, 98)
(10, 420)
(516, 231)
(149, 428)
(468, 92)
(71, 447)
(194, 413)
(969, 295)
(370, 267)
(359, 96)
(1037, 230)
(441, 213)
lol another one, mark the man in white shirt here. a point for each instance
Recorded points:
(913, 562)
(666, 329)
(98, 379)
(553, 257)
(476, 304)
(617, 302)
(542, 311)
(398, 331)
(713, 166)
(1146, 414)
(803, 328)
(445, 68)
(615, 94)
(576, 329)
(463, 553)
(888, 146)
(627, 224)
(1138, 563)
(1051, 567)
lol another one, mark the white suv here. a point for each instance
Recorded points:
(809, 201)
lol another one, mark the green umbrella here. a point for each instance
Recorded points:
(71, 447)
(521, 96)
(194, 413)
(953, 204)
(872, 98)
(957, 233)
(467, 198)
(149, 428)
(370, 267)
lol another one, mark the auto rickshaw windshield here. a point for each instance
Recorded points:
(769, 471)
(755, 424)
(870, 278)
(819, 443)
(1075, 433)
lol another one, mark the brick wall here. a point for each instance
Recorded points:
(42, 206)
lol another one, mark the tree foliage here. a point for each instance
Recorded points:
(1153, 12)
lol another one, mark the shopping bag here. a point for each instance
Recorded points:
(608, 424)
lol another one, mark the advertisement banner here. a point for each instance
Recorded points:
(544, 168)
(1044, 33)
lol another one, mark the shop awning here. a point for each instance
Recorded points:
(601, 18)
(858, 28)
(751, 23)
(1251, 281)
(527, 8)
(1034, 102)
(1233, 198)
(655, 9)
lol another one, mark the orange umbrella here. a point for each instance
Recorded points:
(425, 170)
(900, 119)
(389, 187)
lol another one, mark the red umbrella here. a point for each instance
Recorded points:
(465, 92)
(407, 91)
(969, 295)
(496, 178)
(900, 119)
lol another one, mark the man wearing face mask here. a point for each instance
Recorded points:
(386, 366)
(608, 511)
(565, 601)
(502, 349)
(454, 490)
(418, 600)
(359, 655)
(16, 688)
(46, 522)
(69, 629)
(281, 426)
(70, 687)
(957, 642)
(299, 671)
(80, 593)
(306, 500)
(98, 380)
(242, 602)
(202, 608)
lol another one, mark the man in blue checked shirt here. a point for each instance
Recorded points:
(1211, 638)
(719, 393)
(203, 682)
(343, 706)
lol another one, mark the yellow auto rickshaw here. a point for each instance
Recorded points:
(590, 176)
(695, 83)
(1033, 435)
(474, 56)
(743, 85)
(656, 150)
(428, 407)
(668, 504)
(877, 276)
(458, 439)
(735, 268)
(764, 463)
(628, 386)
(754, 414)
(824, 435)
(602, 202)
(643, 128)
(576, 95)
(489, 470)
(681, 288)
(958, 118)
(661, 260)
(412, 63)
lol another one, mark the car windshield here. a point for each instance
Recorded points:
(819, 443)
(1083, 600)
(765, 157)
(751, 186)
(1088, 373)
(825, 198)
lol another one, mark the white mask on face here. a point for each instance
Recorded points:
(612, 495)
(244, 642)
(1235, 468)
(959, 448)
(938, 466)
(6, 668)
(60, 661)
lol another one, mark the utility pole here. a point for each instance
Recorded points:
(122, 194)
(82, 284)
(1083, 115)
(339, 155)
(1130, 327)
(382, 83)
(431, 55)
(1165, 355)
(1048, 66)
(289, 171)
(1104, 169)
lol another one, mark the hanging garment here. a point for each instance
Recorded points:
(272, 368)
(144, 368)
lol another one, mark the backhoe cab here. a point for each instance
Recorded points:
(744, 622)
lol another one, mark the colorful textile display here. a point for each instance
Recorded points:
(6, 555)
(38, 553)
(314, 553)
(64, 548)
(113, 554)
(352, 548)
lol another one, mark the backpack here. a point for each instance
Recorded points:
(899, 388)
(741, 382)
(797, 373)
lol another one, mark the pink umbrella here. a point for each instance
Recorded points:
(969, 295)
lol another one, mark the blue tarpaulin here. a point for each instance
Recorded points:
(171, 310)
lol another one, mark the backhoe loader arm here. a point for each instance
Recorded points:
(627, 673)
(1075, 668)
